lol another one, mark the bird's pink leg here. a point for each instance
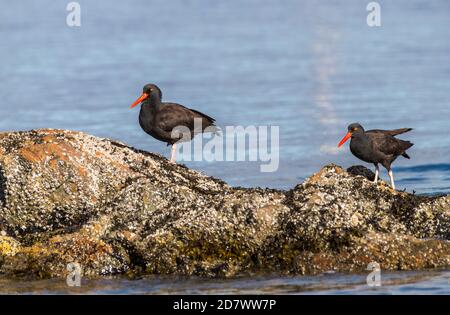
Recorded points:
(391, 176)
(377, 172)
(173, 155)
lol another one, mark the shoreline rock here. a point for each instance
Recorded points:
(70, 197)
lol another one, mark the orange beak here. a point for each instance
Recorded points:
(141, 98)
(347, 136)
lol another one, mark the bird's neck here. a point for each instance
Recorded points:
(361, 137)
(155, 99)
(152, 103)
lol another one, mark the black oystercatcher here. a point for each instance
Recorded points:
(170, 122)
(377, 146)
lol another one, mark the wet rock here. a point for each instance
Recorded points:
(70, 197)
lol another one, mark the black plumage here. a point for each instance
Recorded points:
(170, 122)
(377, 146)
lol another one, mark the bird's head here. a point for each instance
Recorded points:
(353, 129)
(149, 91)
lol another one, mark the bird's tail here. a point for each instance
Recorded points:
(406, 145)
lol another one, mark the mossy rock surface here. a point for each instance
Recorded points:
(69, 197)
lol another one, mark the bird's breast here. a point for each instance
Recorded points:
(362, 150)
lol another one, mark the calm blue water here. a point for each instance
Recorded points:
(393, 283)
(310, 67)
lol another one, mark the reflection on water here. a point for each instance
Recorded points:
(392, 283)
(323, 69)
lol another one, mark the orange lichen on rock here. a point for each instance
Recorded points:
(39, 153)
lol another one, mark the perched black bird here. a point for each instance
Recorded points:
(170, 122)
(377, 146)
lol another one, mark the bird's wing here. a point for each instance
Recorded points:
(198, 114)
(210, 119)
(174, 115)
(388, 144)
(390, 132)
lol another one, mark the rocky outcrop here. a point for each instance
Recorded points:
(69, 197)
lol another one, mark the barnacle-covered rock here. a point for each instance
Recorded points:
(69, 197)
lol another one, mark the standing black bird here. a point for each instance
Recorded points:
(377, 146)
(170, 122)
